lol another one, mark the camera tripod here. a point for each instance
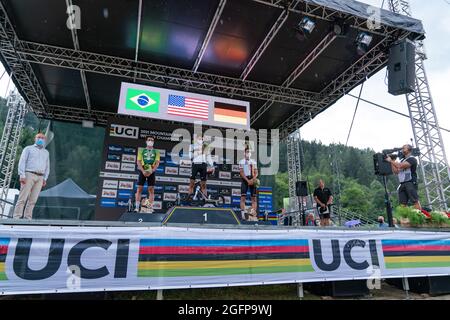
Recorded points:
(387, 201)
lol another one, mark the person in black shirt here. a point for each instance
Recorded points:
(406, 170)
(324, 199)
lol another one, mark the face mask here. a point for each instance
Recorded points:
(40, 142)
(199, 141)
(248, 155)
(149, 143)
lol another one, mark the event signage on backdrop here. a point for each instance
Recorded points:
(40, 259)
(171, 105)
(118, 177)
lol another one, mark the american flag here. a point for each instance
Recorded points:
(188, 107)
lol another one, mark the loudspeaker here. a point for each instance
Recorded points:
(381, 167)
(142, 217)
(431, 285)
(301, 189)
(201, 215)
(351, 288)
(402, 68)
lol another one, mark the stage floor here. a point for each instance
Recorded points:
(89, 223)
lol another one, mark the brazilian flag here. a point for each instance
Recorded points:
(142, 100)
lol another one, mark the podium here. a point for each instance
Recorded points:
(141, 217)
(201, 215)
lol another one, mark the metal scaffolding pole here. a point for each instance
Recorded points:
(8, 144)
(294, 168)
(427, 134)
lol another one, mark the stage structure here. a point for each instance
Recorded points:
(427, 133)
(17, 108)
(294, 166)
(289, 60)
(287, 73)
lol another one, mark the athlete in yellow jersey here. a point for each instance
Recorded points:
(147, 161)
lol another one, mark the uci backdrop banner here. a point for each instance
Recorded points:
(119, 173)
(42, 259)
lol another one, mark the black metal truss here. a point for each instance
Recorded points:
(20, 54)
(21, 71)
(328, 14)
(371, 62)
(303, 65)
(164, 75)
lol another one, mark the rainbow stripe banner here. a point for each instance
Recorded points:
(4, 243)
(416, 253)
(191, 257)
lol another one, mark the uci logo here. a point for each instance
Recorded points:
(23, 256)
(117, 130)
(356, 254)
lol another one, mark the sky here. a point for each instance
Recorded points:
(373, 127)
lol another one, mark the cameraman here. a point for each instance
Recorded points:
(407, 176)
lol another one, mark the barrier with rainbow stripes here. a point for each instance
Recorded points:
(42, 259)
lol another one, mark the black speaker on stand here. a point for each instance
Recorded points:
(402, 68)
(301, 190)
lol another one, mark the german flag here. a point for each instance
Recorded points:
(230, 113)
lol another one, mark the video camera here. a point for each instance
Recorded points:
(398, 153)
(382, 167)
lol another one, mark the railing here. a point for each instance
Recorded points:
(346, 215)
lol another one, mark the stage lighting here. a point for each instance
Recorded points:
(307, 25)
(363, 42)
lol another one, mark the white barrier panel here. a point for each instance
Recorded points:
(40, 259)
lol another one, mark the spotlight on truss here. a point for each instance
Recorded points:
(363, 41)
(307, 25)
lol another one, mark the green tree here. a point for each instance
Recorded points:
(355, 197)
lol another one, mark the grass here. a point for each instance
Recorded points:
(266, 292)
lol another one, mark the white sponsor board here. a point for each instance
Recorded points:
(128, 167)
(171, 170)
(157, 205)
(183, 188)
(235, 192)
(170, 196)
(172, 179)
(109, 193)
(110, 184)
(129, 158)
(227, 199)
(224, 175)
(185, 163)
(127, 185)
(118, 175)
(110, 165)
(185, 171)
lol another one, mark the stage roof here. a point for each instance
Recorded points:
(245, 49)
